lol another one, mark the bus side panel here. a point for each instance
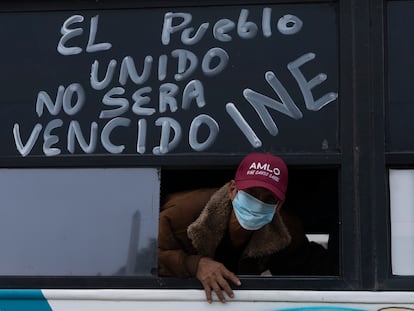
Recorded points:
(246, 300)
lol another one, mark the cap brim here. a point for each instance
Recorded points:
(245, 184)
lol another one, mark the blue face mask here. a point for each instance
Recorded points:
(252, 213)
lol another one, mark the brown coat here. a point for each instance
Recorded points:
(193, 223)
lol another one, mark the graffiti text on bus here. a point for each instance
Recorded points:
(118, 105)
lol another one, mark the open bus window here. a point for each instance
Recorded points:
(78, 222)
(402, 220)
(312, 196)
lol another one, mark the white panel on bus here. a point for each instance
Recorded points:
(402, 221)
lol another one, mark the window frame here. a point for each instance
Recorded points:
(361, 160)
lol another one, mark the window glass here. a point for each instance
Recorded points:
(83, 222)
(402, 221)
(174, 80)
(400, 68)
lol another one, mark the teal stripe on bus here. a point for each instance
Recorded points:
(321, 308)
(23, 300)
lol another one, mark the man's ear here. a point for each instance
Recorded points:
(232, 190)
(279, 205)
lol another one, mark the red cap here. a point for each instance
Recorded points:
(263, 170)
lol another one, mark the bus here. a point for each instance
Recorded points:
(107, 107)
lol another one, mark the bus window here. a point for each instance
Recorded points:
(402, 220)
(312, 196)
(78, 222)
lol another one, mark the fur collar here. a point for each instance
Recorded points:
(208, 229)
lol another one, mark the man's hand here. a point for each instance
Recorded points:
(213, 275)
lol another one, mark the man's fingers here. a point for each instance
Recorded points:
(232, 277)
(207, 290)
(226, 287)
(215, 277)
(219, 293)
(213, 285)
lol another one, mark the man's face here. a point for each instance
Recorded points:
(262, 194)
(253, 207)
